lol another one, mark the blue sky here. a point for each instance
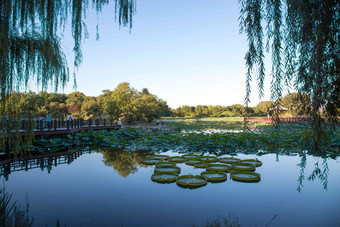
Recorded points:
(186, 52)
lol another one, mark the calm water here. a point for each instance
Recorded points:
(87, 192)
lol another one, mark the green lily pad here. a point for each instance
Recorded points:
(151, 161)
(164, 177)
(191, 181)
(254, 162)
(192, 161)
(208, 159)
(160, 156)
(177, 159)
(219, 167)
(245, 176)
(201, 165)
(229, 160)
(214, 176)
(165, 164)
(190, 156)
(243, 167)
(168, 169)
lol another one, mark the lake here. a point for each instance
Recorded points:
(112, 188)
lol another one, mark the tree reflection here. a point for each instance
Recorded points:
(124, 162)
(319, 172)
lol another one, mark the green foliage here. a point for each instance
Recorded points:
(31, 31)
(303, 38)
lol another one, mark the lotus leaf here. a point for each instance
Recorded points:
(254, 162)
(214, 176)
(219, 167)
(168, 169)
(191, 181)
(229, 160)
(243, 167)
(208, 159)
(177, 159)
(164, 177)
(165, 164)
(245, 176)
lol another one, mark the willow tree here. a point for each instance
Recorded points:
(303, 38)
(30, 40)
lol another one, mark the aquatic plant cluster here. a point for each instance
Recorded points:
(285, 140)
(166, 170)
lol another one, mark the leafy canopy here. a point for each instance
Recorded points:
(303, 37)
(30, 34)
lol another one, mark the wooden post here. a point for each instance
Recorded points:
(97, 122)
(104, 121)
(68, 125)
(111, 122)
(41, 125)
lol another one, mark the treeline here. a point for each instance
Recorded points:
(296, 104)
(122, 102)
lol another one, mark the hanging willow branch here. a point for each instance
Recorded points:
(303, 38)
(30, 36)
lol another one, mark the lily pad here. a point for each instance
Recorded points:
(229, 160)
(208, 159)
(164, 177)
(190, 156)
(165, 164)
(243, 167)
(201, 165)
(151, 161)
(160, 156)
(192, 161)
(214, 176)
(245, 176)
(254, 162)
(191, 181)
(219, 167)
(177, 159)
(168, 169)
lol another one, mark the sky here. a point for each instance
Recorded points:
(185, 52)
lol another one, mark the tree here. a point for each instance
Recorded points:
(30, 34)
(121, 102)
(263, 107)
(303, 37)
(298, 104)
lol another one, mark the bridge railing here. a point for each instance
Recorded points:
(282, 119)
(39, 125)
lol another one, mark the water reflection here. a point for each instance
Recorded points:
(320, 173)
(43, 162)
(124, 162)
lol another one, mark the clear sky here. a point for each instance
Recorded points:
(187, 52)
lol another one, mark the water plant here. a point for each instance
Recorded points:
(214, 176)
(165, 164)
(243, 167)
(151, 161)
(254, 162)
(164, 177)
(168, 169)
(192, 161)
(202, 165)
(208, 159)
(191, 181)
(228, 160)
(219, 167)
(245, 176)
(177, 159)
